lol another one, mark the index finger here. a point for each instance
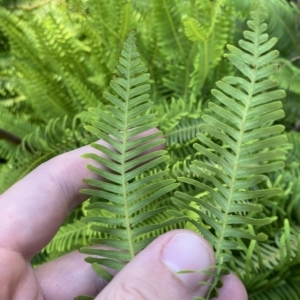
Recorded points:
(35, 207)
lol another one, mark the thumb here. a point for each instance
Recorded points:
(152, 274)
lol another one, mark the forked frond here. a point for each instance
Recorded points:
(122, 194)
(240, 146)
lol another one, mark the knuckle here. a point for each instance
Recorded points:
(135, 289)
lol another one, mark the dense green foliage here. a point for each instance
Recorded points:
(231, 166)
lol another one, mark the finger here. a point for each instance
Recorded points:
(35, 207)
(69, 271)
(233, 289)
(73, 272)
(153, 274)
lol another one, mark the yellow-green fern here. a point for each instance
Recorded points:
(241, 145)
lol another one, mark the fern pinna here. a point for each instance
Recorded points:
(122, 197)
(239, 145)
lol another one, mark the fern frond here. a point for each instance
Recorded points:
(288, 76)
(283, 24)
(80, 92)
(27, 42)
(291, 107)
(19, 126)
(273, 265)
(70, 237)
(194, 30)
(174, 46)
(288, 289)
(6, 150)
(110, 21)
(125, 196)
(293, 156)
(291, 177)
(241, 145)
(45, 79)
(126, 20)
(211, 38)
(41, 145)
(167, 19)
(277, 256)
(185, 131)
(176, 119)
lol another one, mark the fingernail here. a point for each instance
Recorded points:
(188, 252)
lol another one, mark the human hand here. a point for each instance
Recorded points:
(32, 212)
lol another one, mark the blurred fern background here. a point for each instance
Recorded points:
(57, 58)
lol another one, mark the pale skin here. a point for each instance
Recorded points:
(31, 213)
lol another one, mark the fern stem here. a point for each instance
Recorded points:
(173, 28)
(187, 72)
(9, 137)
(124, 143)
(110, 30)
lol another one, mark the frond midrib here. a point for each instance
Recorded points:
(237, 156)
(123, 162)
(166, 6)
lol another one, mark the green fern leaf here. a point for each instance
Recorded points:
(166, 15)
(174, 46)
(125, 196)
(283, 24)
(185, 131)
(282, 21)
(271, 269)
(193, 30)
(70, 237)
(6, 150)
(19, 126)
(240, 144)
(288, 76)
(211, 35)
(288, 289)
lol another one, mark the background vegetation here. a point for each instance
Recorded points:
(58, 57)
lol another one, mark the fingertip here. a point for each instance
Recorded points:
(232, 289)
(189, 251)
(154, 271)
